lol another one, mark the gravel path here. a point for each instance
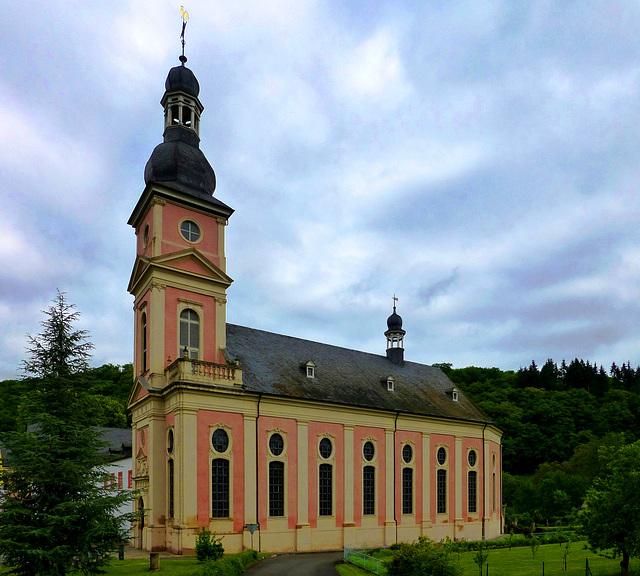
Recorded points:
(317, 564)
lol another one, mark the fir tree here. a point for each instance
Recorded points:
(56, 517)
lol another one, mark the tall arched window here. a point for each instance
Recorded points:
(170, 479)
(472, 491)
(190, 333)
(220, 474)
(220, 488)
(170, 474)
(407, 490)
(276, 488)
(325, 490)
(368, 490)
(143, 341)
(441, 481)
(441, 486)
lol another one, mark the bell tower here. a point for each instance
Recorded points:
(395, 336)
(179, 278)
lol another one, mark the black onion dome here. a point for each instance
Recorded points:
(181, 78)
(394, 322)
(179, 163)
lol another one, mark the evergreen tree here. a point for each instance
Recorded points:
(55, 516)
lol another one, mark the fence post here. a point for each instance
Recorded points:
(543, 569)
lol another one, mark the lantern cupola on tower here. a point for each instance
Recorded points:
(178, 162)
(395, 337)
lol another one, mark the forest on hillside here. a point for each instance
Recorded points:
(108, 385)
(554, 418)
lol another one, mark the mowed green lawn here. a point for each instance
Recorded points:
(177, 566)
(519, 562)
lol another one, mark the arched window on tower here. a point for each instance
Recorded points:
(143, 338)
(189, 334)
(175, 114)
(187, 116)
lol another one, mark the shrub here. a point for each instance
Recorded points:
(208, 547)
(420, 558)
(234, 565)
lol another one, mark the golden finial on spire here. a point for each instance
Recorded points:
(394, 301)
(185, 18)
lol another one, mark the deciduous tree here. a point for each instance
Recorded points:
(612, 517)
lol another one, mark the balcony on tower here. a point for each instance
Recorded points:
(188, 370)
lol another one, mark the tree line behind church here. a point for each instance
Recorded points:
(108, 387)
(554, 419)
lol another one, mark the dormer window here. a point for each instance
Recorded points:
(309, 369)
(391, 384)
(454, 394)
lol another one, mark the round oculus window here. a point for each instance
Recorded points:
(472, 458)
(441, 456)
(407, 453)
(190, 231)
(220, 440)
(368, 450)
(170, 442)
(276, 444)
(325, 448)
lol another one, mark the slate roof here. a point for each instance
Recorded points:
(179, 163)
(118, 440)
(275, 364)
(182, 78)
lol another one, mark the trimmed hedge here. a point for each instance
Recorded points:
(231, 565)
(509, 542)
(515, 541)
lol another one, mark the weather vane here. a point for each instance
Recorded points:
(185, 18)
(394, 301)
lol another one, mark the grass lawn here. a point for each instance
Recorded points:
(173, 566)
(138, 566)
(519, 562)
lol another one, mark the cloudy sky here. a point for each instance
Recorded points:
(481, 160)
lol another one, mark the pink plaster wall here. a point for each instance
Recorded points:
(316, 429)
(494, 449)
(207, 419)
(477, 445)
(415, 437)
(141, 248)
(449, 443)
(289, 430)
(172, 215)
(380, 460)
(191, 265)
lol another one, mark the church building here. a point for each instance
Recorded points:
(272, 441)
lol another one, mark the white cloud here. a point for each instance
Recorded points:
(372, 72)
